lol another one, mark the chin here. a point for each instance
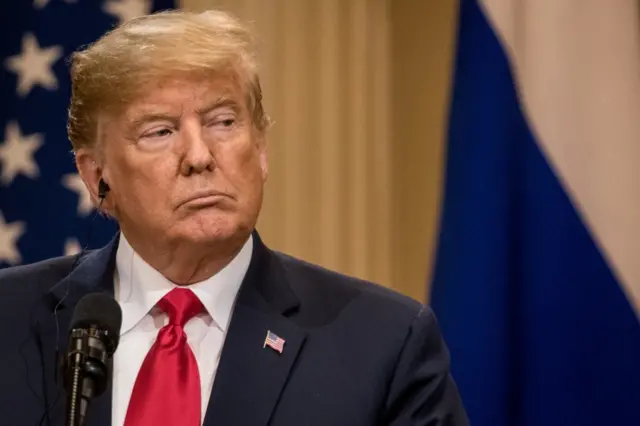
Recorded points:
(213, 230)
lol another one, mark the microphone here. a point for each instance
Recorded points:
(93, 338)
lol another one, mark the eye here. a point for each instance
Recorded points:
(225, 121)
(158, 133)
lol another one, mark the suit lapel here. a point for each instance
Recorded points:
(250, 376)
(93, 273)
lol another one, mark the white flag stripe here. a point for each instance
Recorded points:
(577, 65)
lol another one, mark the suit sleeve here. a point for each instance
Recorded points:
(422, 392)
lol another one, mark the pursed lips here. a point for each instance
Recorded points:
(204, 198)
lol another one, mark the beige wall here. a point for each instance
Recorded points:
(423, 41)
(358, 90)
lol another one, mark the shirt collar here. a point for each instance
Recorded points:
(139, 287)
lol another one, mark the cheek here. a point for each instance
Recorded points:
(151, 170)
(144, 185)
(241, 163)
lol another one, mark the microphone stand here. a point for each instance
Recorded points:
(74, 415)
(86, 372)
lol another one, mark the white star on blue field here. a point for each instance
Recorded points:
(45, 209)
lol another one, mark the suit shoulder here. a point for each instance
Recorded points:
(26, 278)
(323, 287)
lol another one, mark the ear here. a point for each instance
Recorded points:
(262, 155)
(90, 171)
(259, 139)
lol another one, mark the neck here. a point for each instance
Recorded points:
(185, 263)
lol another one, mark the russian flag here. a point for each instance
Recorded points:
(537, 278)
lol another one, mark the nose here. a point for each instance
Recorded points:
(197, 155)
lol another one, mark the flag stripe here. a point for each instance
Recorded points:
(539, 329)
(577, 65)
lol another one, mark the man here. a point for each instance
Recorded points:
(168, 131)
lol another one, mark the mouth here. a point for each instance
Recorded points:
(203, 199)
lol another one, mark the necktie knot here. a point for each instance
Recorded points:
(180, 304)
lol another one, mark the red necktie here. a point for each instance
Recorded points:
(167, 389)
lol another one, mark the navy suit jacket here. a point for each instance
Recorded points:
(356, 354)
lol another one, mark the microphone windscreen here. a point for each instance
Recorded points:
(99, 310)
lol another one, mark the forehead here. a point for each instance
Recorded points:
(177, 94)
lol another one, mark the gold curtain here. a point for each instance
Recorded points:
(357, 90)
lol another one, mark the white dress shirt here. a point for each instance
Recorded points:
(138, 287)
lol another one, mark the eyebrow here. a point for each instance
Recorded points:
(222, 101)
(139, 120)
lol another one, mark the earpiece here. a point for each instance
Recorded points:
(103, 188)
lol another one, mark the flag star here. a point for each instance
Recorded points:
(16, 154)
(71, 247)
(74, 183)
(39, 4)
(10, 233)
(33, 65)
(124, 10)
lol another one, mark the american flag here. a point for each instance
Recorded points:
(45, 210)
(274, 341)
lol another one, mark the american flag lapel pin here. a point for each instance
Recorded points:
(274, 341)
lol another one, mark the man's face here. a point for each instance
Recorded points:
(185, 163)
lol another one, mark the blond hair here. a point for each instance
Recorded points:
(117, 68)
